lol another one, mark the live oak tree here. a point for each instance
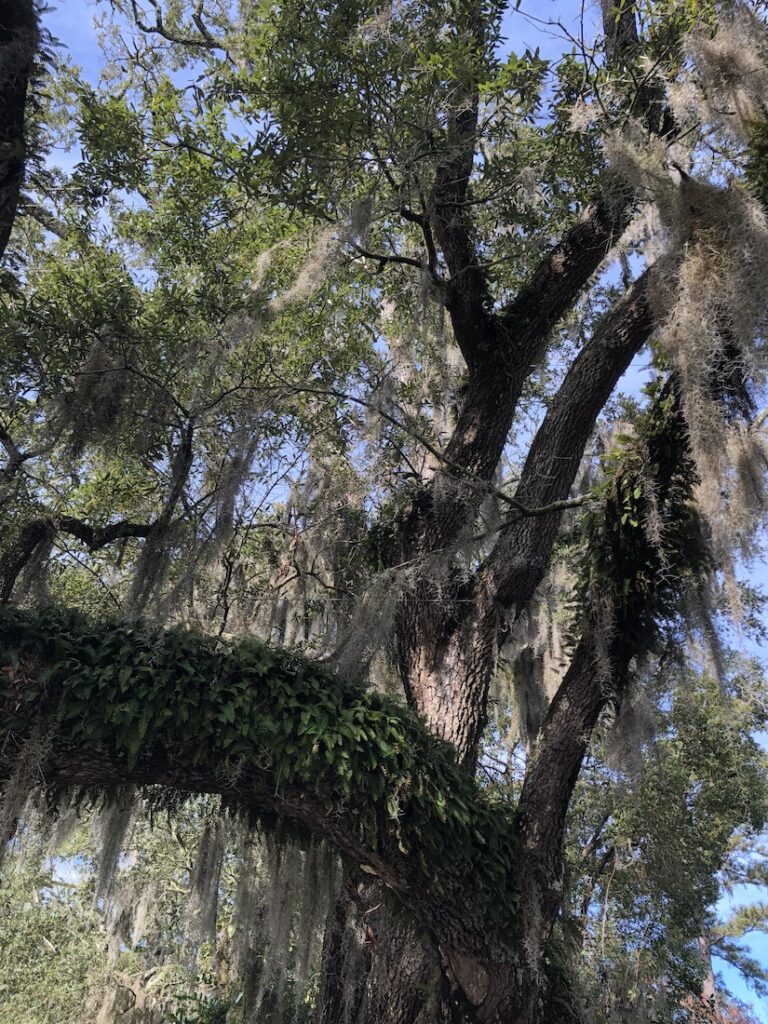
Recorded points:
(316, 345)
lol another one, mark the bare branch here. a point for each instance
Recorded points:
(44, 217)
(97, 537)
(16, 457)
(383, 258)
(43, 529)
(205, 40)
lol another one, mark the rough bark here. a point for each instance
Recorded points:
(344, 968)
(404, 985)
(549, 782)
(449, 648)
(40, 664)
(518, 563)
(448, 642)
(451, 959)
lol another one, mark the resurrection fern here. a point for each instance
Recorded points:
(133, 693)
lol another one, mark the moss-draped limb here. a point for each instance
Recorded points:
(275, 734)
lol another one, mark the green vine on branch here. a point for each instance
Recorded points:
(128, 692)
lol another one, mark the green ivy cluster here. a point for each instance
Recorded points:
(131, 692)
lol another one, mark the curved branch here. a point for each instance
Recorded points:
(272, 733)
(502, 348)
(467, 292)
(550, 779)
(44, 528)
(518, 562)
(564, 273)
(96, 537)
(628, 585)
(206, 40)
(383, 258)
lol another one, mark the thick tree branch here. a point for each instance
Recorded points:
(550, 778)
(501, 349)
(117, 702)
(620, 29)
(622, 50)
(467, 293)
(97, 537)
(465, 635)
(629, 584)
(464, 638)
(518, 563)
(564, 273)
(43, 530)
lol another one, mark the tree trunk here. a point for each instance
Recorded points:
(378, 967)
(345, 961)
(404, 985)
(18, 45)
(448, 653)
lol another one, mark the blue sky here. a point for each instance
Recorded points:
(72, 23)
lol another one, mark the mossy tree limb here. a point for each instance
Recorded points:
(275, 735)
